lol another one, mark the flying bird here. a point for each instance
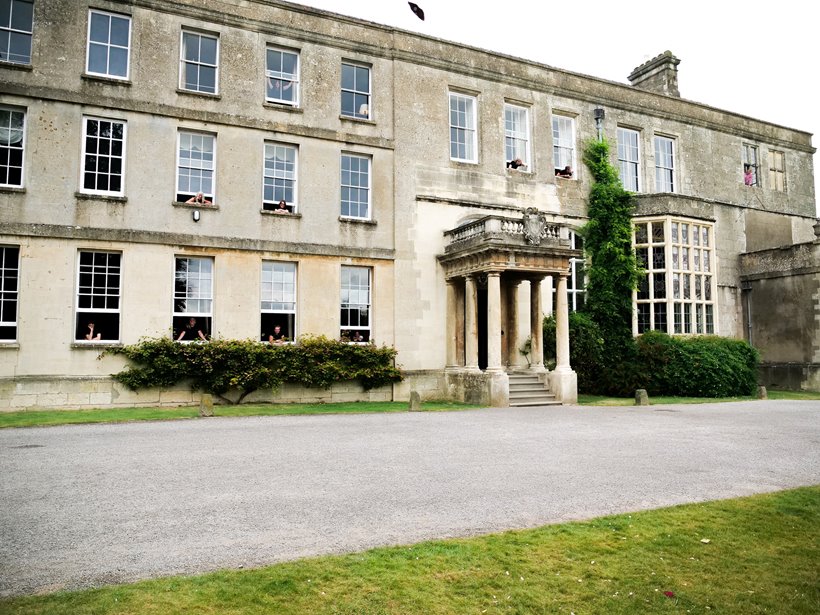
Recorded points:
(416, 10)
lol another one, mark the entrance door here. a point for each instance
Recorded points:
(481, 325)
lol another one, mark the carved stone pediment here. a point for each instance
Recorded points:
(535, 226)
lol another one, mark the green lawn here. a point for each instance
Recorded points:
(39, 418)
(36, 418)
(747, 556)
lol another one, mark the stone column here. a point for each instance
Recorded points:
(562, 326)
(470, 324)
(450, 315)
(536, 326)
(563, 381)
(514, 357)
(494, 321)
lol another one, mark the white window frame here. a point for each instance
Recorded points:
(274, 76)
(358, 297)
(362, 99)
(687, 303)
(201, 293)
(629, 159)
(517, 137)
(576, 281)
(111, 157)
(198, 62)
(278, 292)
(750, 155)
(16, 31)
(277, 175)
(207, 169)
(9, 290)
(99, 296)
(777, 171)
(665, 164)
(349, 186)
(465, 127)
(8, 129)
(563, 144)
(108, 45)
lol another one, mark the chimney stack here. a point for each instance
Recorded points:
(659, 75)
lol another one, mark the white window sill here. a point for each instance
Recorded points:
(110, 198)
(107, 79)
(95, 345)
(357, 220)
(215, 96)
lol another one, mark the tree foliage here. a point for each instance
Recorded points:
(586, 348)
(243, 366)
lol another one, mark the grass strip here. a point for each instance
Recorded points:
(41, 418)
(751, 555)
(602, 400)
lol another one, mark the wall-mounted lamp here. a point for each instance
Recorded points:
(599, 114)
(195, 215)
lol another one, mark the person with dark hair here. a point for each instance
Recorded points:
(277, 337)
(191, 331)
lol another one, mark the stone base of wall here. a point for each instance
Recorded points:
(431, 385)
(476, 387)
(790, 376)
(72, 393)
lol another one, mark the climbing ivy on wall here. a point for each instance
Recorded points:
(612, 272)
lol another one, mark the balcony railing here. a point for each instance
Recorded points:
(532, 229)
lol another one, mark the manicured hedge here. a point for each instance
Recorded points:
(243, 366)
(698, 366)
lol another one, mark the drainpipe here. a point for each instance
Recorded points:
(746, 289)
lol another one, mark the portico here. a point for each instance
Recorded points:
(494, 268)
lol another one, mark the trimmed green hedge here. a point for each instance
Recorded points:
(221, 366)
(701, 366)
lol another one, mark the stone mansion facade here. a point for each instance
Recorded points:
(227, 167)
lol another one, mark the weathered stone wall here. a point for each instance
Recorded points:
(783, 303)
(417, 192)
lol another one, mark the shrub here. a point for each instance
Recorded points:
(221, 366)
(586, 348)
(702, 366)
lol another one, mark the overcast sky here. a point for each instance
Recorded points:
(755, 58)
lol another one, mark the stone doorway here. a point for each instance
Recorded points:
(484, 264)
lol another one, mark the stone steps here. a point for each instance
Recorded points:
(528, 390)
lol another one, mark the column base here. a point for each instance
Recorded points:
(487, 388)
(564, 385)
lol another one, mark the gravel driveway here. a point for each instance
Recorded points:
(88, 505)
